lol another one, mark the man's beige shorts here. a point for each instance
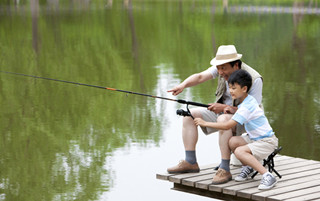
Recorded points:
(261, 149)
(210, 116)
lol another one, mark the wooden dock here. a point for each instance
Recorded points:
(300, 181)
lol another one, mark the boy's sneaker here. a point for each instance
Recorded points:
(267, 182)
(246, 172)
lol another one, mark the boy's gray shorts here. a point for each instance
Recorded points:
(210, 116)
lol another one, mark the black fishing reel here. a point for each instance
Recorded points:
(184, 113)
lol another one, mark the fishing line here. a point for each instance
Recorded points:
(108, 88)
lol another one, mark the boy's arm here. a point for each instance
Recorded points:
(217, 125)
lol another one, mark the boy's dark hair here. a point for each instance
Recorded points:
(241, 77)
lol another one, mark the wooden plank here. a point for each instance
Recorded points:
(285, 160)
(279, 160)
(232, 190)
(252, 186)
(295, 165)
(312, 196)
(191, 181)
(300, 181)
(302, 172)
(287, 186)
(297, 193)
(204, 184)
(251, 183)
(178, 178)
(293, 168)
(163, 176)
(166, 175)
(247, 192)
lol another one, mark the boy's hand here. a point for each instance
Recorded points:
(199, 122)
(229, 110)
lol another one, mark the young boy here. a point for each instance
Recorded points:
(260, 140)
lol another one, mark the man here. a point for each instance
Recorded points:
(227, 61)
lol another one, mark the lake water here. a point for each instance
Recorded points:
(62, 141)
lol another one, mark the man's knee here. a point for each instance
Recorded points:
(187, 120)
(195, 113)
(233, 143)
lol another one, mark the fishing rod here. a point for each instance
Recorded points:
(182, 112)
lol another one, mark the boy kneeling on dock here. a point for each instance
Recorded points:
(252, 147)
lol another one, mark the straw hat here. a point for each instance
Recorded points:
(225, 54)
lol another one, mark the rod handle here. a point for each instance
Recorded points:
(192, 103)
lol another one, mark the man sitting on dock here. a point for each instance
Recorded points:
(260, 140)
(227, 61)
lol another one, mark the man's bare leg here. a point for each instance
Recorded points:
(224, 137)
(223, 174)
(190, 139)
(190, 136)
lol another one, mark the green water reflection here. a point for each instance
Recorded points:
(56, 138)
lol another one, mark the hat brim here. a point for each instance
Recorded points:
(215, 62)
